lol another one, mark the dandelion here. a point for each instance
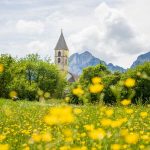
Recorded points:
(1, 68)
(46, 137)
(96, 80)
(129, 82)
(97, 134)
(67, 99)
(78, 91)
(2, 137)
(115, 147)
(109, 112)
(77, 111)
(132, 138)
(13, 94)
(126, 102)
(143, 114)
(105, 122)
(59, 115)
(4, 147)
(36, 137)
(96, 88)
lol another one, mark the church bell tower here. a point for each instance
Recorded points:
(61, 53)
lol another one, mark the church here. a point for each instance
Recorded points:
(62, 56)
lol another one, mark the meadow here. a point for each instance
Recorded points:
(55, 125)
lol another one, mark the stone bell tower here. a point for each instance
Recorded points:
(61, 53)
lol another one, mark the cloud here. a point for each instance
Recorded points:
(30, 27)
(111, 36)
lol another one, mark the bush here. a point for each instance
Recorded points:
(30, 74)
(141, 74)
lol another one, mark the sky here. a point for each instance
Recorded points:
(116, 31)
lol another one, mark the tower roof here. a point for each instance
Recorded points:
(61, 44)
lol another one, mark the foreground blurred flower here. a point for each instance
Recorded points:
(132, 138)
(96, 88)
(97, 134)
(78, 91)
(59, 115)
(126, 102)
(129, 82)
(1, 68)
(96, 80)
(4, 147)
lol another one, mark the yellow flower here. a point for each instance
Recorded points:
(105, 122)
(143, 114)
(109, 112)
(97, 134)
(2, 137)
(77, 111)
(129, 82)
(1, 68)
(78, 91)
(96, 88)
(67, 132)
(59, 115)
(115, 147)
(46, 137)
(129, 111)
(13, 94)
(96, 80)
(4, 147)
(89, 127)
(124, 132)
(67, 99)
(126, 102)
(36, 137)
(132, 138)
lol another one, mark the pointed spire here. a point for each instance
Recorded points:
(61, 44)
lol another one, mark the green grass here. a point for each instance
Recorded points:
(20, 120)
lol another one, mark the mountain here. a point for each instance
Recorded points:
(77, 62)
(141, 59)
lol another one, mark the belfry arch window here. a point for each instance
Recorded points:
(59, 53)
(59, 60)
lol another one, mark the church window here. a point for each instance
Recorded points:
(59, 53)
(59, 60)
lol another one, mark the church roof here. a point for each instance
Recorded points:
(61, 44)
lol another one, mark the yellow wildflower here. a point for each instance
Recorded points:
(96, 88)
(1, 68)
(132, 138)
(46, 137)
(4, 147)
(115, 147)
(105, 122)
(129, 82)
(109, 112)
(89, 127)
(96, 80)
(78, 91)
(13, 94)
(77, 111)
(97, 134)
(129, 111)
(36, 137)
(67, 99)
(67, 132)
(59, 115)
(2, 137)
(126, 102)
(143, 114)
